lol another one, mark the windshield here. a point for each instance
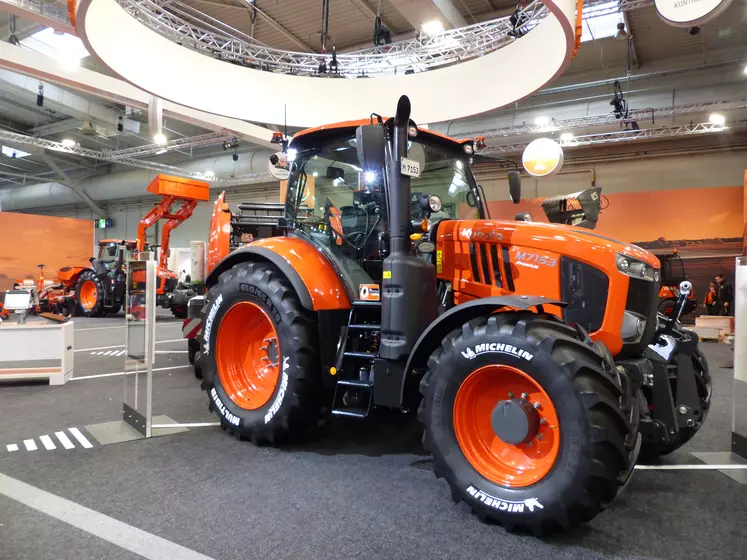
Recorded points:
(328, 181)
(108, 253)
(672, 270)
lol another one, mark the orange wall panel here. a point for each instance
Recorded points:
(27, 240)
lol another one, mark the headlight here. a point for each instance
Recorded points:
(635, 268)
(434, 203)
(633, 326)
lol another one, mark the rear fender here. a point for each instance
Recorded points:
(455, 317)
(314, 280)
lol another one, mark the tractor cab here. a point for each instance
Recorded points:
(112, 253)
(672, 275)
(344, 210)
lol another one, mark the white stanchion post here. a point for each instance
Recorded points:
(739, 412)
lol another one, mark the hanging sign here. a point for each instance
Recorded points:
(542, 157)
(688, 13)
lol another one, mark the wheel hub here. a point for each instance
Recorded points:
(515, 421)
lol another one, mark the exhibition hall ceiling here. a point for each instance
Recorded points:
(661, 68)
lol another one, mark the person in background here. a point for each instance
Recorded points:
(711, 299)
(725, 295)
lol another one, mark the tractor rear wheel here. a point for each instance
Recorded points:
(525, 422)
(258, 355)
(90, 294)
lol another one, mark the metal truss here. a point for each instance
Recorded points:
(127, 156)
(634, 115)
(51, 11)
(194, 29)
(626, 136)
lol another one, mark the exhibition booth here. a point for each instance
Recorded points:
(328, 285)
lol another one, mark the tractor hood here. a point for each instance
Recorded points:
(578, 243)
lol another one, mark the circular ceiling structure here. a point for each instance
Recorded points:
(155, 63)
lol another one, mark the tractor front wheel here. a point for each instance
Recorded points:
(90, 294)
(258, 355)
(525, 422)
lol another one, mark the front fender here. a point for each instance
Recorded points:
(314, 280)
(455, 317)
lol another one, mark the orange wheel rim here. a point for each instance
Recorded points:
(505, 464)
(248, 355)
(88, 294)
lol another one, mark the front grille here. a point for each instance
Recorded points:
(584, 288)
(485, 269)
(643, 299)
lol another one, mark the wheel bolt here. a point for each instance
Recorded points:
(543, 420)
(539, 436)
(683, 410)
(524, 395)
(529, 444)
(510, 394)
(537, 404)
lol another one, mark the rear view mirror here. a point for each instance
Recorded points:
(370, 141)
(514, 186)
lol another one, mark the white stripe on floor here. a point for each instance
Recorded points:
(116, 532)
(48, 443)
(120, 353)
(172, 351)
(122, 345)
(30, 445)
(80, 437)
(12, 447)
(107, 352)
(64, 440)
(125, 372)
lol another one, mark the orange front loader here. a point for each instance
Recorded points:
(100, 289)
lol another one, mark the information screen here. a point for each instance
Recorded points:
(17, 300)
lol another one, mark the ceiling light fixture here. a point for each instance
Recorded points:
(68, 142)
(717, 118)
(432, 28)
(542, 121)
(160, 138)
(566, 136)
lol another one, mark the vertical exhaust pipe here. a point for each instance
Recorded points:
(399, 185)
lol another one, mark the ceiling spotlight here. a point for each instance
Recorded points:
(369, 177)
(432, 28)
(717, 119)
(621, 32)
(40, 96)
(542, 121)
(68, 142)
(160, 138)
(566, 136)
(120, 124)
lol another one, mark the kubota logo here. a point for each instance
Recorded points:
(488, 236)
(496, 347)
(504, 505)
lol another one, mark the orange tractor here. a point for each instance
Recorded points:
(672, 275)
(533, 353)
(101, 289)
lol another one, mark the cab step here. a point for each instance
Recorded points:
(351, 412)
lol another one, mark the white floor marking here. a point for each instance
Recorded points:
(30, 445)
(12, 447)
(172, 351)
(125, 372)
(106, 353)
(691, 467)
(80, 437)
(187, 425)
(122, 345)
(48, 443)
(64, 440)
(120, 353)
(111, 530)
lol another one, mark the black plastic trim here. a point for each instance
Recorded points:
(509, 275)
(473, 262)
(496, 266)
(485, 266)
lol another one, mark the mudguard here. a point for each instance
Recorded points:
(312, 276)
(460, 314)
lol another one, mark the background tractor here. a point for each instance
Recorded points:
(100, 290)
(532, 353)
(672, 275)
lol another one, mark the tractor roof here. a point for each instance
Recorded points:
(117, 242)
(345, 126)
